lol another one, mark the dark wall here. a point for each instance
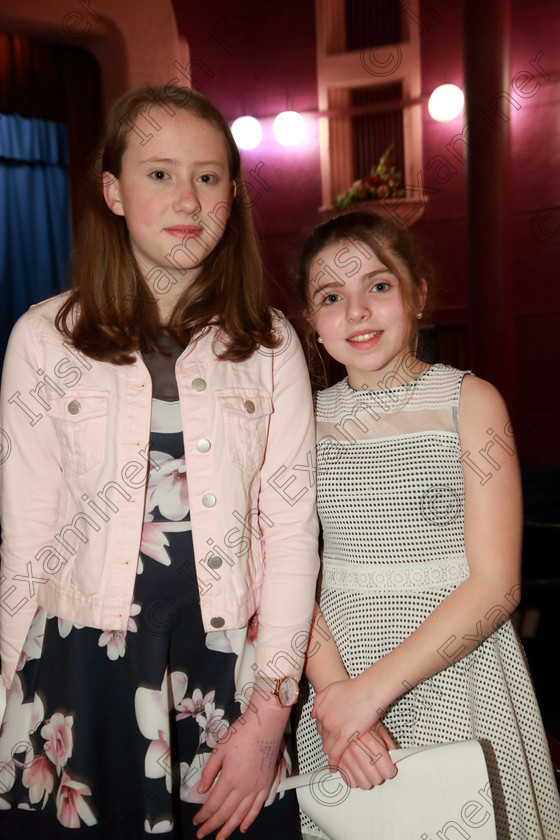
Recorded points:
(260, 58)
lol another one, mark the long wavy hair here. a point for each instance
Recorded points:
(111, 311)
(396, 249)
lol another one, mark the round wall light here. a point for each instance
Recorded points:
(446, 103)
(247, 132)
(289, 128)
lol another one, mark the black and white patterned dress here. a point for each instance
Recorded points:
(390, 497)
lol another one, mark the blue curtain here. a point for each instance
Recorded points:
(35, 232)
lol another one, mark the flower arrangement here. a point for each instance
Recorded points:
(382, 182)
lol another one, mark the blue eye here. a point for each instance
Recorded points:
(332, 298)
(381, 287)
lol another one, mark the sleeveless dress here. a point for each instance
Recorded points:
(390, 498)
(107, 732)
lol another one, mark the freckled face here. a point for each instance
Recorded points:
(174, 192)
(357, 309)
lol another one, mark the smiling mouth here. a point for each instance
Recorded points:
(365, 336)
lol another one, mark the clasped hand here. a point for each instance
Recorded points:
(354, 739)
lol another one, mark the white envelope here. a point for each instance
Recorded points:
(439, 791)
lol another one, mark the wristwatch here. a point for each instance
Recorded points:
(286, 691)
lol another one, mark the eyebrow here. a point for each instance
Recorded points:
(173, 161)
(332, 284)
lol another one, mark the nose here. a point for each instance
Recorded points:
(358, 308)
(186, 198)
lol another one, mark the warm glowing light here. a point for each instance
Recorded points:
(247, 132)
(446, 103)
(289, 128)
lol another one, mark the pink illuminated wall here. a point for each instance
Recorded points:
(262, 60)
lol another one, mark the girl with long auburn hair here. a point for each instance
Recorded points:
(159, 531)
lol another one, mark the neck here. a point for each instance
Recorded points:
(402, 371)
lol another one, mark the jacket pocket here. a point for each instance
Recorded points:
(246, 414)
(80, 418)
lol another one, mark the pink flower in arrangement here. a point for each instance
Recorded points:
(115, 640)
(167, 487)
(70, 803)
(212, 725)
(37, 777)
(195, 705)
(59, 741)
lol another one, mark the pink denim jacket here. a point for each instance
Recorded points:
(74, 437)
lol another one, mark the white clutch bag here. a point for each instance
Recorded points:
(439, 791)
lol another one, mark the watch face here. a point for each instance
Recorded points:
(288, 691)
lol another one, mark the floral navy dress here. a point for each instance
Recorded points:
(107, 732)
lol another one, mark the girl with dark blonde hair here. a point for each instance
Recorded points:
(159, 529)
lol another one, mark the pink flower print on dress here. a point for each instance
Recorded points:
(59, 741)
(154, 542)
(20, 721)
(190, 777)
(152, 709)
(65, 626)
(70, 803)
(167, 487)
(195, 705)
(160, 827)
(38, 778)
(33, 646)
(212, 725)
(115, 640)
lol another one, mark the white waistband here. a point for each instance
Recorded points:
(367, 577)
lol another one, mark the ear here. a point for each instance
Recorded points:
(422, 294)
(233, 190)
(112, 193)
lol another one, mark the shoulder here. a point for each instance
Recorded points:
(481, 407)
(338, 398)
(478, 393)
(37, 324)
(43, 314)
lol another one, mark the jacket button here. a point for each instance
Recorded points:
(209, 500)
(249, 407)
(198, 384)
(215, 562)
(217, 622)
(203, 445)
(74, 407)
